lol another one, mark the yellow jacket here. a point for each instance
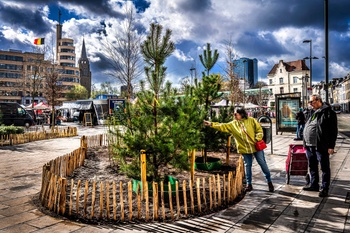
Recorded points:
(244, 144)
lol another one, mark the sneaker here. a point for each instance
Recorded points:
(248, 188)
(323, 193)
(271, 188)
(310, 188)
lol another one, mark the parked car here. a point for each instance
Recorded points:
(15, 114)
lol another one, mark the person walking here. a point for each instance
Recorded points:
(300, 117)
(320, 135)
(245, 129)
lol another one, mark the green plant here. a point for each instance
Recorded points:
(160, 122)
(6, 130)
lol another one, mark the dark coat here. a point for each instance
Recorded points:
(327, 128)
(300, 117)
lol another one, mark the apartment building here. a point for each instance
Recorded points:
(289, 77)
(18, 70)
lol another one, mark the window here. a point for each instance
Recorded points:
(281, 80)
(281, 90)
(270, 81)
(295, 79)
(280, 70)
(295, 90)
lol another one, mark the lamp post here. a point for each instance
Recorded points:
(244, 61)
(310, 41)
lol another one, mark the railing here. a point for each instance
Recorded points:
(57, 132)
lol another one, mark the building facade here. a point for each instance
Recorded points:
(247, 69)
(289, 77)
(23, 73)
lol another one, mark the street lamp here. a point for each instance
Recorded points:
(310, 41)
(244, 61)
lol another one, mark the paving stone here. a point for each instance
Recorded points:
(43, 221)
(16, 219)
(13, 210)
(19, 228)
(63, 227)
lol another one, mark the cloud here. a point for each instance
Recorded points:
(269, 30)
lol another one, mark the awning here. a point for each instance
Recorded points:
(85, 105)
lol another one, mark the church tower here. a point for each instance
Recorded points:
(85, 73)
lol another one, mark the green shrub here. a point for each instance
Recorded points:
(5, 130)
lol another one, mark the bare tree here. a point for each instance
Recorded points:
(54, 88)
(124, 53)
(33, 82)
(236, 94)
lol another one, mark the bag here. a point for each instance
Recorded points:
(260, 145)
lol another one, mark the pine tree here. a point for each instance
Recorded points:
(162, 123)
(207, 60)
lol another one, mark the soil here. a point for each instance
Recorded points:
(98, 166)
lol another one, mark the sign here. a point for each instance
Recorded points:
(116, 105)
(287, 107)
(87, 119)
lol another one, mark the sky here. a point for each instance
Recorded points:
(268, 30)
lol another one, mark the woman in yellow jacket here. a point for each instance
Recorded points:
(240, 128)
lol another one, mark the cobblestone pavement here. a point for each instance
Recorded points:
(288, 209)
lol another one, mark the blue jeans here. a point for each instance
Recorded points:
(314, 157)
(248, 161)
(300, 129)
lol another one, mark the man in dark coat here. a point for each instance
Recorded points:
(320, 135)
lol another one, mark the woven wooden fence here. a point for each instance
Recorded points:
(118, 201)
(57, 132)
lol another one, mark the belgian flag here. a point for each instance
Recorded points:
(39, 41)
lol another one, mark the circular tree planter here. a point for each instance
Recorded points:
(211, 164)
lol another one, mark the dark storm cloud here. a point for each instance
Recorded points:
(23, 18)
(252, 44)
(298, 13)
(195, 5)
(98, 7)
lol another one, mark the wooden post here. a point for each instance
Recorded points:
(114, 193)
(177, 200)
(143, 173)
(191, 196)
(228, 150)
(138, 201)
(130, 199)
(210, 195)
(198, 196)
(77, 197)
(147, 201)
(155, 200)
(170, 193)
(162, 199)
(214, 190)
(204, 194)
(101, 199)
(219, 189)
(86, 192)
(185, 197)
(107, 200)
(192, 153)
(63, 196)
(71, 197)
(121, 201)
(93, 196)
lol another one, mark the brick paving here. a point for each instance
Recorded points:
(288, 209)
